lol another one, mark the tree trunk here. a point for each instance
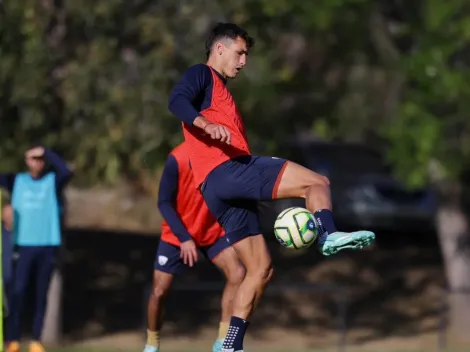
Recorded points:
(51, 333)
(454, 237)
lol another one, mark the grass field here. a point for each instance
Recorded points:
(281, 350)
(134, 343)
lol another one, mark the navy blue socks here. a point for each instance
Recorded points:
(324, 218)
(235, 335)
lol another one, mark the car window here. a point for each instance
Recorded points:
(333, 160)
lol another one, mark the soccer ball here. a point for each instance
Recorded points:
(296, 228)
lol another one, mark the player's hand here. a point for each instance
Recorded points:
(36, 152)
(218, 132)
(188, 252)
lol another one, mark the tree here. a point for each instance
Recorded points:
(430, 136)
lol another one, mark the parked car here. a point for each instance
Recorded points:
(365, 195)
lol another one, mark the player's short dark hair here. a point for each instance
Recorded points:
(227, 30)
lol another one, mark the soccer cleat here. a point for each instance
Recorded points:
(13, 346)
(150, 348)
(337, 241)
(36, 347)
(217, 347)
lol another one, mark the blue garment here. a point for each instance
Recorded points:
(168, 258)
(7, 255)
(36, 203)
(39, 261)
(193, 93)
(37, 218)
(232, 190)
(167, 193)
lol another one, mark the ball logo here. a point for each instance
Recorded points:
(311, 225)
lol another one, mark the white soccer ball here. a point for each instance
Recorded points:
(296, 228)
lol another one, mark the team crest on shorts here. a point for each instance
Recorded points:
(162, 260)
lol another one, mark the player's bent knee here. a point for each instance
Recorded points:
(263, 273)
(236, 275)
(318, 180)
(161, 286)
(321, 185)
(297, 181)
(159, 292)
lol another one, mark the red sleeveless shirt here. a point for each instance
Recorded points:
(205, 153)
(190, 206)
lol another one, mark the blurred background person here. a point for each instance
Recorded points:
(7, 257)
(37, 236)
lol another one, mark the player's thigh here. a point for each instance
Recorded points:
(295, 180)
(254, 254)
(167, 259)
(224, 257)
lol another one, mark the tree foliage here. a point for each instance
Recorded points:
(92, 78)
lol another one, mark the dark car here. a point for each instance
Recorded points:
(364, 193)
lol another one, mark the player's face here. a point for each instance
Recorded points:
(234, 54)
(35, 165)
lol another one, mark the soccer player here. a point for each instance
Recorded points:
(232, 180)
(188, 225)
(37, 236)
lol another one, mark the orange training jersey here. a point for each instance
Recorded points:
(190, 206)
(206, 154)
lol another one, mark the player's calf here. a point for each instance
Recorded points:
(227, 261)
(160, 288)
(255, 256)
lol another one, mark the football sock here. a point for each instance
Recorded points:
(235, 335)
(223, 329)
(153, 338)
(324, 218)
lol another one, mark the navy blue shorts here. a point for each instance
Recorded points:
(232, 191)
(168, 258)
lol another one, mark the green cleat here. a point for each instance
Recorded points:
(149, 348)
(217, 347)
(337, 241)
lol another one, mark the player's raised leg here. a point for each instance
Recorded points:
(167, 264)
(296, 181)
(226, 260)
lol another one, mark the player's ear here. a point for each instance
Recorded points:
(219, 48)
